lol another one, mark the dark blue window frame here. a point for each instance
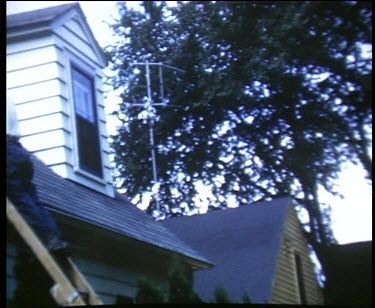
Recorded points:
(86, 119)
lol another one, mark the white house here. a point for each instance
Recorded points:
(54, 75)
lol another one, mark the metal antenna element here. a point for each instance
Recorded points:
(151, 115)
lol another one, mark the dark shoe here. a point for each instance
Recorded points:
(58, 246)
(61, 254)
(60, 251)
(61, 257)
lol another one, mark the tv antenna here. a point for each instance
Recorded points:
(149, 108)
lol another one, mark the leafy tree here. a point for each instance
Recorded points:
(149, 293)
(274, 96)
(181, 284)
(221, 296)
(246, 298)
(180, 290)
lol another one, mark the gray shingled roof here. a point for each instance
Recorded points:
(243, 243)
(45, 15)
(115, 214)
(41, 18)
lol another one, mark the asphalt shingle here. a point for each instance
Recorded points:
(115, 214)
(45, 15)
(42, 19)
(243, 243)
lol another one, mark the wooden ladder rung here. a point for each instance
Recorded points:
(65, 291)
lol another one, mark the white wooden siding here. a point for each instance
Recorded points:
(76, 27)
(35, 74)
(31, 57)
(101, 115)
(78, 42)
(60, 169)
(55, 156)
(80, 46)
(38, 90)
(285, 287)
(42, 107)
(30, 44)
(38, 77)
(43, 123)
(46, 140)
(99, 88)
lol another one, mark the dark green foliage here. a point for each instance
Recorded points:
(274, 97)
(180, 290)
(221, 296)
(246, 298)
(148, 293)
(180, 284)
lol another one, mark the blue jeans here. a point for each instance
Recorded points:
(21, 191)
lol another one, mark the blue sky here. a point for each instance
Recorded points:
(351, 216)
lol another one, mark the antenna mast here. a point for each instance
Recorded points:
(149, 107)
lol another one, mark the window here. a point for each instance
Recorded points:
(299, 272)
(89, 153)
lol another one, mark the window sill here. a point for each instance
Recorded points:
(90, 176)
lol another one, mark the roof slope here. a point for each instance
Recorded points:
(44, 19)
(116, 214)
(243, 244)
(45, 15)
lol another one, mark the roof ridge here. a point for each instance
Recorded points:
(48, 8)
(46, 14)
(219, 210)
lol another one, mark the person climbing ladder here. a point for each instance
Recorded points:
(21, 190)
(40, 232)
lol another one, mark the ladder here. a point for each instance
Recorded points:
(70, 289)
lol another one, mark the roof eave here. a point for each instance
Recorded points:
(13, 36)
(194, 262)
(99, 50)
(47, 26)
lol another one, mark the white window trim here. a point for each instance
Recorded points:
(73, 60)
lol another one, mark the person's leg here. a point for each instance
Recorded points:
(21, 192)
